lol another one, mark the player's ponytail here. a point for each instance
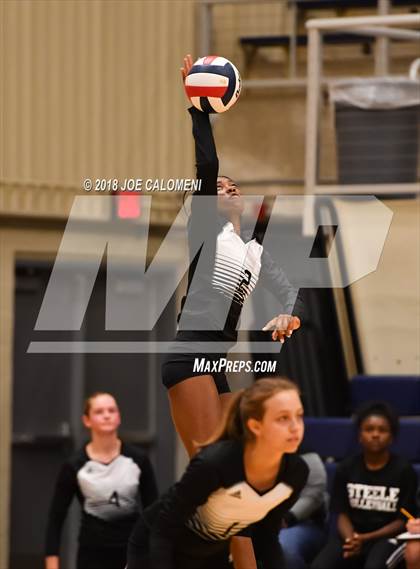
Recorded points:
(232, 427)
(246, 404)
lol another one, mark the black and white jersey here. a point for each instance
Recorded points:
(110, 491)
(111, 496)
(213, 502)
(228, 267)
(237, 265)
(230, 510)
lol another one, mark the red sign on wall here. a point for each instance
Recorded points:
(128, 206)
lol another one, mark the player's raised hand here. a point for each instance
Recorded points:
(283, 326)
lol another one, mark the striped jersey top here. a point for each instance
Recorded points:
(236, 266)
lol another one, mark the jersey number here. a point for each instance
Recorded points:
(244, 281)
(114, 499)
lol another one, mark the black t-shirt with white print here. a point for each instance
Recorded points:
(111, 496)
(213, 502)
(373, 498)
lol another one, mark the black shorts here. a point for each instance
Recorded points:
(101, 558)
(178, 364)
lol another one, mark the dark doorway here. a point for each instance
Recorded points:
(48, 393)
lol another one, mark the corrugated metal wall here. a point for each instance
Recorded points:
(91, 90)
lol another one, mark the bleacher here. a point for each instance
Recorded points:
(335, 438)
(251, 44)
(302, 40)
(347, 4)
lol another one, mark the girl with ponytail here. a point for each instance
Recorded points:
(241, 483)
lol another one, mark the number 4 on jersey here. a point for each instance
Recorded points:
(114, 499)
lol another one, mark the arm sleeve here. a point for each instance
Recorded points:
(202, 221)
(199, 481)
(207, 163)
(64, 492)
(274, 279)
(147, 486)
(407, 496)
(313, 494)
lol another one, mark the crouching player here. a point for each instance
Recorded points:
(239, 484)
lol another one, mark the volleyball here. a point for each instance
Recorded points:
(213, 84)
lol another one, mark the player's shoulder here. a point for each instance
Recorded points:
(350, 463)
(76, 460)
(350, 466)
(295, 467)
(218, 453)
(138, 455)
(400, 463)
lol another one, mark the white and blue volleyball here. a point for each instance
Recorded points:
(213, 84)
